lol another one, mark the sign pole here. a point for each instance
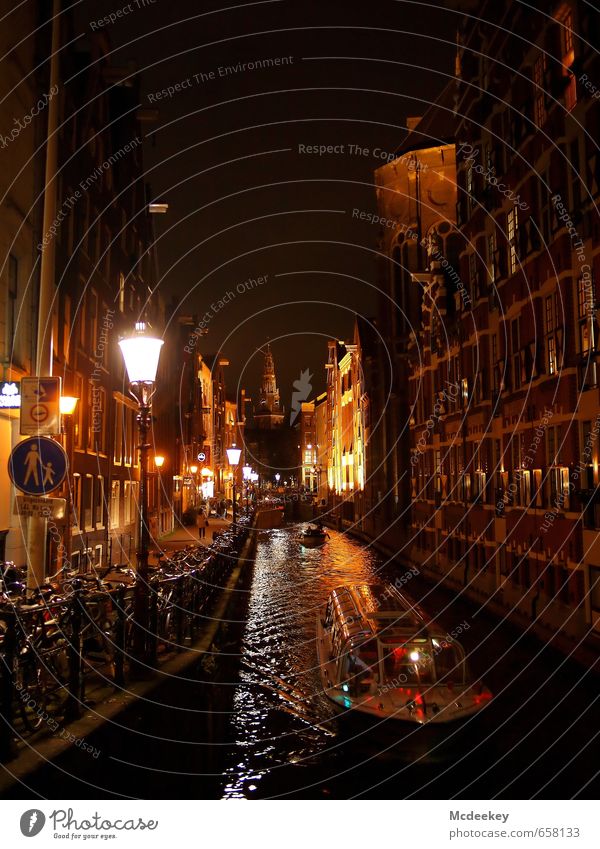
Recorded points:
(37, 466)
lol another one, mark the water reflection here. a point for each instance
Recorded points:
(280, 714)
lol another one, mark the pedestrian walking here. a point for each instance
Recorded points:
(201, 523)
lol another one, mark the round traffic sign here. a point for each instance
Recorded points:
(39, 413)
(202, 456)
(38, 465)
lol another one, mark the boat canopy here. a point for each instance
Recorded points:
(380, 635)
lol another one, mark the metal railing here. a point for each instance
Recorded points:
(53, 645)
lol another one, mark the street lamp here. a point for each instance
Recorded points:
(141, 352)
(67, 406)
(233, 458)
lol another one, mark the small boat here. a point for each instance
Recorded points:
(380, 655)
(313, 537)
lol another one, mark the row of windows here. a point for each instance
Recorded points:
(522, 360)
(90, 507)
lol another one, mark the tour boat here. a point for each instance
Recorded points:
(380, 655)
(313, 537)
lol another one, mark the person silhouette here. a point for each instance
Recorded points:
(32, 459)
(48, 474)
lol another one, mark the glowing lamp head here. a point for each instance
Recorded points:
(141, 353)
(233, 455)
(159, 461)
(247, 471)
(193, 469)
(277, 477)
(68, 404)
(414, 656)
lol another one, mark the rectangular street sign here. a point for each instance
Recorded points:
(40, 507)
(40, 406)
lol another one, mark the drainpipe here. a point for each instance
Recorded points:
(37, 527)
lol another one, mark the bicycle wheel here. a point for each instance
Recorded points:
(54, 678)
(31, 694)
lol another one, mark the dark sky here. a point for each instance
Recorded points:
(244, 201)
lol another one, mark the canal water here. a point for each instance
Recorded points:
(285, 735)
(286, 741)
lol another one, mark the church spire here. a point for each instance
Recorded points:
(269, 413)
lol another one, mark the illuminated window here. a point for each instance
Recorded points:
(121, 292)
(551, 352)
(550, 328)
(539, 74)
(585, 312)
(567, 50)
(88, 515)
(513, 235)
(99, 503)
(115, 494)
(491, 254)
(470, 187)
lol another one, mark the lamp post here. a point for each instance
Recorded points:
(233, 458)
(141, 353)
(246, 472)
(68, 405)
(159, 462)
(194, 472)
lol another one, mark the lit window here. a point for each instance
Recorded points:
(551, 349)
(491, 261)
(539, 73)
(513, 234)
(565, 20)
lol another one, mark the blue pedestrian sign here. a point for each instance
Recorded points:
(37, 465)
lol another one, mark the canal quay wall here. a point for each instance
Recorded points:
(107, 720)
(503, 607)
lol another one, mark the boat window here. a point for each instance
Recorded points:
(329, 615)
(361, 668)
(449, 662)
(407, 664)
(368, 654)
(336, 639)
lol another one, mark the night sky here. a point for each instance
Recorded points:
(244, 201)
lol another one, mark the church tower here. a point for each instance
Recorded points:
(269, 413)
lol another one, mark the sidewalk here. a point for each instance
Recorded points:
(105, 700)
(184, 535)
